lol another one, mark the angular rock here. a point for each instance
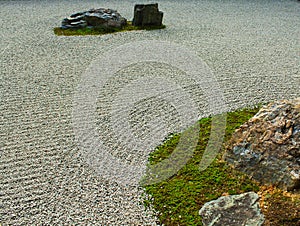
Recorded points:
(234, 210)
(147, 15)
(94, 18)
(267, 147)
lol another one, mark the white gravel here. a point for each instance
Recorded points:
(252, 48)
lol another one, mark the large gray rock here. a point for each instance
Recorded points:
(95, 18)
(234, 210)
(147, 15)
(267, 147)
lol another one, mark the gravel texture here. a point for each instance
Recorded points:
(252, 48)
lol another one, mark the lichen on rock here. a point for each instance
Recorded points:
(267, 147)
(234, 210)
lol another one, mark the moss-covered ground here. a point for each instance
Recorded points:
(178, 199)
(102, 30)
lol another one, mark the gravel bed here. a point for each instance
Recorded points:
(251, 47)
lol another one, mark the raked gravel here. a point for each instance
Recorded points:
(252, 48)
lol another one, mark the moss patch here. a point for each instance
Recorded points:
(179, 199)
(102, 31)
(280, 207)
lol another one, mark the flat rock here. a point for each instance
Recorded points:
(234, 210)
(267, 147)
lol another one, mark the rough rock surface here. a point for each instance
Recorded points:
(267, 147)
(234, 210)
(94, 18)
(147, 15)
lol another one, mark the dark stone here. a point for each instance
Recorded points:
(76, 23)
(147, 15)
(94, 18)
(234, 210)
(77, 14)
(267, 147)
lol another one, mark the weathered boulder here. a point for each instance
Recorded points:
(267, 147)
(234, 210)
(94, 18)
(147, 15)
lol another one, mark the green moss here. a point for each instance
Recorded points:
(179, 199)
(102, 30)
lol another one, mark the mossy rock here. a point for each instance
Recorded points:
(102, 30)
(178, 200)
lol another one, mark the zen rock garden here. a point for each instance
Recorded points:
(267, 148)
(145, 16)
